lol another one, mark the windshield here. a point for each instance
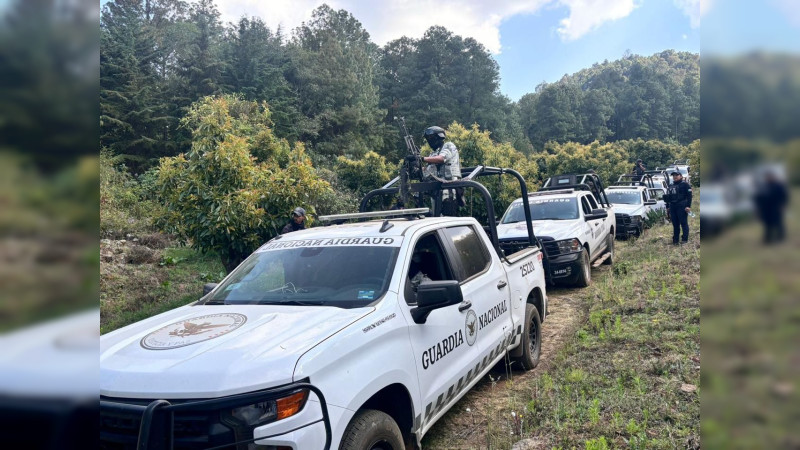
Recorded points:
(343, 276)
(624, 197)
(543, 209)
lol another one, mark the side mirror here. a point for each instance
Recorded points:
(208, 287)
(650, 202)
(598, 213)
(433, 295)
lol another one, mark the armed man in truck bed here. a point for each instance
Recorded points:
(444, 163)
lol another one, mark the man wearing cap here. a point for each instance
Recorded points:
(298, 221)
(679, 199)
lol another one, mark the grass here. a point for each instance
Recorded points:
(130, 293)
(751, 367)
(625, 378)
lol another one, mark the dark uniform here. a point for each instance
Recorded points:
(679, 197)
(639, 168)
(298, 221)
(293, 226)
(771, 202)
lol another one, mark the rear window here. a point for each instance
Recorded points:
(470, 248)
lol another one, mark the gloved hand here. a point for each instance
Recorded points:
(411, 158)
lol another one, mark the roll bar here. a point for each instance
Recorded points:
(469, 176)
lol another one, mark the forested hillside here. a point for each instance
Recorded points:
(212, 132)
(328, 85)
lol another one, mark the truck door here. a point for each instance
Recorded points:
(657, 195)
(484, 285)
(594, 227)
(443, 349)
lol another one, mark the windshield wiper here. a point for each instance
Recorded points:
(292, 302)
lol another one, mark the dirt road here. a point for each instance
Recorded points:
(468, 423)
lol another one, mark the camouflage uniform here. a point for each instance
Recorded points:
(451, 169)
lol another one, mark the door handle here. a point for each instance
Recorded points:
(465, 305)
(501, 284)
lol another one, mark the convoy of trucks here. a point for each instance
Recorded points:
(362, 333)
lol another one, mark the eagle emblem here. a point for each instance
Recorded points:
(471, 327)
(191, 329)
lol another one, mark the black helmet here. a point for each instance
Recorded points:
(435, 136)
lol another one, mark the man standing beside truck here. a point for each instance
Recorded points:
(679, 199)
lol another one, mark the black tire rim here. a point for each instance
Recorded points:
(533, 336)
(382, 445)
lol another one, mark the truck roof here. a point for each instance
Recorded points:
(627, 188)
(372, 228)
(561, 193)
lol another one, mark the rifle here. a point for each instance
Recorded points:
(412, 167)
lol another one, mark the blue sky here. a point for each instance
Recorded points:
(533, 51)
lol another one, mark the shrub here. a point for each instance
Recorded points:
(122, 208)
(217, 197)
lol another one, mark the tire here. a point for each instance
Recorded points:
(531, 339)
(609, 248)
(372, 430)
(584, 277)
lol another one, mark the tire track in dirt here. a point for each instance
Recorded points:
(467, 423)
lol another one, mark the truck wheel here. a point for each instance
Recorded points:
(584, 277)
(609, 248)
(372, 430)
(531, 338)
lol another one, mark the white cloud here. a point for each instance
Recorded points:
(285, 13)
(388, 20)
(694, 9)
(587, 15)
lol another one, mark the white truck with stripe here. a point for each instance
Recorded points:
(351, 336)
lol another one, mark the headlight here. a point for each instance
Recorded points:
(635, 219)
(569, 245)
(271, 410)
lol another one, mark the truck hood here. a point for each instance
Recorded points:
(214, 350)
(632, 210)
(557, 229)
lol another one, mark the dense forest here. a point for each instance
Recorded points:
(213, 131)
(328, 85)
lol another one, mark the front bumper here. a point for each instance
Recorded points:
(558, 265)
(627, 225)
(564, 266)
(199, 424)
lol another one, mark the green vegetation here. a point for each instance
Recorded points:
(750, 334)
(134, 288)
(627, 374)
(329, 86)
(217, 197)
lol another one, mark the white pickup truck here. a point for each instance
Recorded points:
(575, 228)
(353, 336)
(632, 204)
